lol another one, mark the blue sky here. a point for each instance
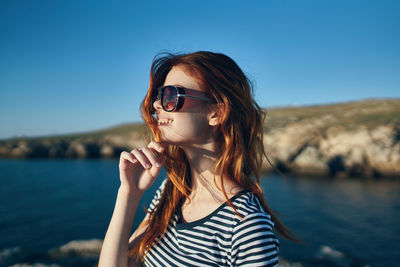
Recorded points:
(76, 65)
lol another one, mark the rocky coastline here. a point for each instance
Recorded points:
(355, 139)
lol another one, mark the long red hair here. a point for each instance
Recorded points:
(239, 135)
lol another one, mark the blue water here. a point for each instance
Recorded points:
(45, 204)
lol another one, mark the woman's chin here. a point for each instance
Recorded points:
(165, 139)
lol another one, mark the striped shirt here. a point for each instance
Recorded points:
(219, 239)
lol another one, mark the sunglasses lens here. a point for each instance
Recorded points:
(169, 98)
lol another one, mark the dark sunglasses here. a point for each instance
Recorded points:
(173, 97)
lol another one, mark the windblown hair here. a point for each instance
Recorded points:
(239, 136)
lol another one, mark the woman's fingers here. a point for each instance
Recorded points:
(148, 156)
(152, 157)
(158, 149)
(128, 156)
(156, 146)
(140, 156)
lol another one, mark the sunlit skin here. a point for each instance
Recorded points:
(189, 125)
(192, 130)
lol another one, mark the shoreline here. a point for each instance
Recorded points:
(351, 139)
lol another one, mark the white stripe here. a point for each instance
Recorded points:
(198, 241)
(218, 226)
(259, 257)
(222, 220)
(221, 241)
(257, 250)
(205, 229)
(202, 231)
(228, 213)
(247, 240)
(252, 219)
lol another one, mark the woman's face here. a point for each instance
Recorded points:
(188, 125)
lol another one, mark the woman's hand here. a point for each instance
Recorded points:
(138, 170)
(140, 167)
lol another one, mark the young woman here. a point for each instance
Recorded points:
(210, 210)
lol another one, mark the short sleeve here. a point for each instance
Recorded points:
(157, 196)
(254, 243)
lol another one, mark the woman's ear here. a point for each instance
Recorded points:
(215, 114)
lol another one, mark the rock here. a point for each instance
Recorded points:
(283, 143)
(83, 248)
(76, 150)
(39, 150)
(21, 151)
(57, 151)
(82, 149)
(11, 255)
(286, 263)
(303, 150)
(107, 151)
(311, 162)
(342, 142)
(92, 149)
(5, 151)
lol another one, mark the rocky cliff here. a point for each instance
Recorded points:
(354, 139)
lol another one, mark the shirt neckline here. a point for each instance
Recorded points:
(206, 218)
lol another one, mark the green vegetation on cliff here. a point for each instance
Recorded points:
(369, 113)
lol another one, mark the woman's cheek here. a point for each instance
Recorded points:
(192, 128)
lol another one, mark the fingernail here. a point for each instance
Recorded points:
(158, 164)
(148, 166)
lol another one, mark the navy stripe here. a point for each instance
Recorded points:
(260, 221)
(263, 263)
(260, 235)
(206, 233)
(258, 245)
(216, 244)
(259, 256)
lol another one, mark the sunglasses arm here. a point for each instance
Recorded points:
(195, 97)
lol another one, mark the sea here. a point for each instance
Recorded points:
(55, 212)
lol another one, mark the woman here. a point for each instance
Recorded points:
(210, 210)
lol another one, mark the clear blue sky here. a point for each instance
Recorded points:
(74, 65)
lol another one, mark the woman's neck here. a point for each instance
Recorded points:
(202, 161)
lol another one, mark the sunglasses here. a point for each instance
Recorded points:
(173, 97)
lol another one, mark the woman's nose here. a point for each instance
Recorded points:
(157, 104)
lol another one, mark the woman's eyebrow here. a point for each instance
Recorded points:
(194, 88)
(175, 84)
(179, 85)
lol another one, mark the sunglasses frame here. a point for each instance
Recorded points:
(180, 96)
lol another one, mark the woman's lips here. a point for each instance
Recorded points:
(162, 119)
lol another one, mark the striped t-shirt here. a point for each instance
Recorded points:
(219, 239)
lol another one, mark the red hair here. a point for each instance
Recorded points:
(239, 136)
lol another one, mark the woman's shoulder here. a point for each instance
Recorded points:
(253, 240)
(249, 207)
